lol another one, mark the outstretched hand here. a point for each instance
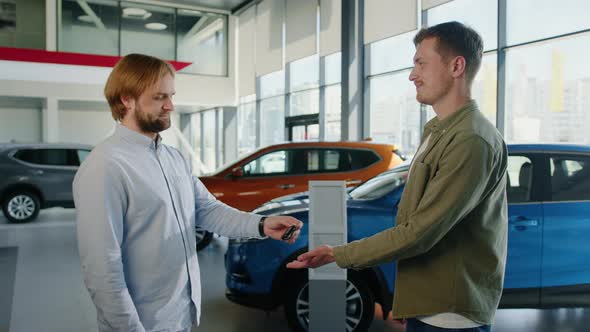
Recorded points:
(276, 226)
(317, 257)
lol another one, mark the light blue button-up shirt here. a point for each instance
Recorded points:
(137, 205)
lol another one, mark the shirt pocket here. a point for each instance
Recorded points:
(416, 186)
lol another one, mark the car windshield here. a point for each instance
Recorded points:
(381, 184)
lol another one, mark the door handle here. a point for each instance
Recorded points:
(286, 186)
(38, 172)
(521, 223)
(353, 182)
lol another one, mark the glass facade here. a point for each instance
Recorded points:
(202, 39)
(544, 87)
(547, 91)
(90, 27)
(22, 23)
(110, 27)
(246, 128)
(395, 113)
(272, 121)
(147, 29)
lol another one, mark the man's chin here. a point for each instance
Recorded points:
(423, 100)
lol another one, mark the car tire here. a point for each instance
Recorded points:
(21, 206)
(360, 306)
(203, 238)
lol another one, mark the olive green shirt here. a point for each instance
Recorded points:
(451, 228)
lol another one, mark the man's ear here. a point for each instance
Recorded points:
(128, 101)
(457, 66)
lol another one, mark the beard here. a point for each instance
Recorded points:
(152, 123)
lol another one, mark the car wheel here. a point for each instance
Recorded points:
(21, 206)
(203, 238)
(360, 305)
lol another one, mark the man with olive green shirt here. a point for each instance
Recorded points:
(451, 228)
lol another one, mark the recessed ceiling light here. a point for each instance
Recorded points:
(190, 12)
(85, 18)
(156, 26)
(138, 13)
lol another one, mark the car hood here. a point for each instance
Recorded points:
(298, 203)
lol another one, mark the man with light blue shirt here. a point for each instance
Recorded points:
(137, 205)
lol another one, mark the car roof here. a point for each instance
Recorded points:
(11, 146)
(352, 144)
(549, 147)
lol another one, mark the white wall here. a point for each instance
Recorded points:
(20, 124)
(85, 127)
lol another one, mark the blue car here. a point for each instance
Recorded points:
(548, 261)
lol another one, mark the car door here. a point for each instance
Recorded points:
(53, 171)
(265, 177)
(566, 252)
(525, 220)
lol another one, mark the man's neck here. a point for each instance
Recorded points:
(133, 126)
(450, 104)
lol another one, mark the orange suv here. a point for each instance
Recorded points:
(283, 169)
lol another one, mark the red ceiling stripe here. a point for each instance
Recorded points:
(67, 58)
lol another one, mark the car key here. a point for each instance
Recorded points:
(287, 235)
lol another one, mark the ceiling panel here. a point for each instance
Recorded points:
(217, 4)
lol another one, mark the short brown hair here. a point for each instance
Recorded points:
(454, 38)
(132, 75)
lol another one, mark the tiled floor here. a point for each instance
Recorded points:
(41, 289)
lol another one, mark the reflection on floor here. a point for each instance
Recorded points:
(41, 289)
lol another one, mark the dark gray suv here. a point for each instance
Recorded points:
(37, 176)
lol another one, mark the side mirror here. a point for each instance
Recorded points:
(237, 172)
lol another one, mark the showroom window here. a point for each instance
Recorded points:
(391, 54)
(272, 108)
(89, 27)
(247, 125)
(110, 27)
(209, 139)
(304, 94)
(272, 120)
(147, 29)
(394, 116)
(22, 23)
(332, 96)
(395, 113)
(547, 88)
(552, 18)
(202, 40)
(481, 15)
(195, 140)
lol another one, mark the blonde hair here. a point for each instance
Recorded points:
(132, 75)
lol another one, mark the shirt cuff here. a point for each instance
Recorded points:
(341, 257)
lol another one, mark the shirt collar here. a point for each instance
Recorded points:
(436, 125)
(134, 137)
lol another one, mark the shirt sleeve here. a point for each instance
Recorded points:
(217, 217)
(458, 186)
(101, 200)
